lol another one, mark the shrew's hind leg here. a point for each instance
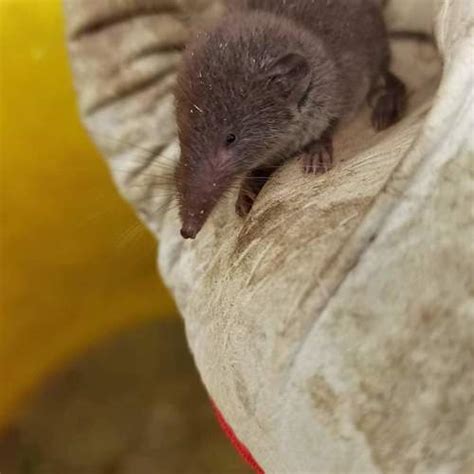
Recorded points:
(251, 186)
(390, 102)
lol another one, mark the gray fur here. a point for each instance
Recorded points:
(227, 86)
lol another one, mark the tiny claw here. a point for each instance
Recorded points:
(318, 159)
(388, 111)
(245, 202)
(251, 186)
(390, 104)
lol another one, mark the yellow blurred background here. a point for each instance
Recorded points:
(75, 264)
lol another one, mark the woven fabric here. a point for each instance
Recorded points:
(333, 327)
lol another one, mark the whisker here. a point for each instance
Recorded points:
(146, 150)
(161, 186)
(152, 174)
(129, 235)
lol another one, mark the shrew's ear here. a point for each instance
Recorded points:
(290, 74)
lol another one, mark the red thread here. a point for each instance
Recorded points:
(240, 448)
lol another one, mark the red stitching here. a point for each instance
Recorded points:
(240, 448)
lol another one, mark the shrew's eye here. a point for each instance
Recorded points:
(229, 139)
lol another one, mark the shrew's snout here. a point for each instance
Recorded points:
(188, 233)
(194, 215)
(190, 230)
(201, 185)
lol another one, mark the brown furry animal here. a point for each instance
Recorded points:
(271, 81)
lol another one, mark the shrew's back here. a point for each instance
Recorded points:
(353, 30)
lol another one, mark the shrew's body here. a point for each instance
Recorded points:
(272, 80)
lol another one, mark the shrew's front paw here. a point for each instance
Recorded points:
(245, 200)
(317, 158)
(251, 187)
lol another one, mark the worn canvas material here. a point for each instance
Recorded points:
(334, 327)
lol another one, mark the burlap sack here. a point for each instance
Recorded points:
(334, 326)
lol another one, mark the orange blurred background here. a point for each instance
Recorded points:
(75, 264)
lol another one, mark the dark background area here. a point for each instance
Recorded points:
(134, 405)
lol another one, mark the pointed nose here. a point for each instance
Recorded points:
(189, 232)
(192, 222)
